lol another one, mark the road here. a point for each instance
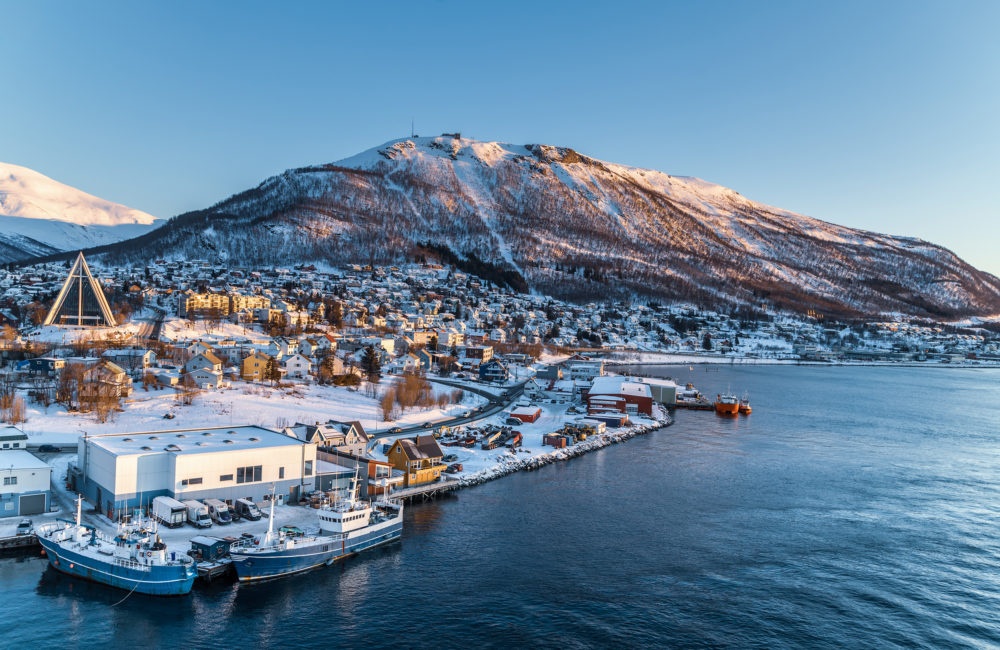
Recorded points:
(150, 329)
(496, 404)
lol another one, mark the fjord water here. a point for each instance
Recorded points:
(856, 507)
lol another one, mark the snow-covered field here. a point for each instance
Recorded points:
(244, 403)
(179, 329)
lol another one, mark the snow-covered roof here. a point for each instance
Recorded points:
(20, 459)
(192, 441)
(619, 386)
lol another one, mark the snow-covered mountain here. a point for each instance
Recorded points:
(561, 223)
(39, 216)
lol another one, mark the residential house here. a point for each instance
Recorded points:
(253, 367)
(494, 370)
(204, 360)
(204, 378)
(106, 378)
(296, 366)
(419, 457)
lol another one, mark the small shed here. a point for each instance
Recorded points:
(210, 548)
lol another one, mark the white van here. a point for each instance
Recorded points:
(197, 514)
(219, 511)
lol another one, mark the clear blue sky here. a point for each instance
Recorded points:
(879, 115)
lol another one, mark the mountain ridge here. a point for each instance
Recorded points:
(41, 216)
(573, 227)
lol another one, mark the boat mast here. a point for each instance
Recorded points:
(270, 521)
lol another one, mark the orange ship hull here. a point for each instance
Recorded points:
(745, 409)
(727, 409)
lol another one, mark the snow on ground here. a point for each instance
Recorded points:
(65, 335)
(244, 403)
(477, 460)
(179, 329)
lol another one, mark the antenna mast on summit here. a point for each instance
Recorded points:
(411, 128)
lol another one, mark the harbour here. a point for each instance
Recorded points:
(738, 526)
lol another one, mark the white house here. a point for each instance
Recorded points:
(25, 483)
(296, 366)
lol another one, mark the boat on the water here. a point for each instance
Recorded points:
(745, 404)
(345, 528)
(727, 404)
(135, 559)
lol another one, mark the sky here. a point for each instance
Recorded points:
(876, 115)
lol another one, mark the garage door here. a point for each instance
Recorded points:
(32, 504)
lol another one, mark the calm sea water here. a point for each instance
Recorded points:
(856, 507)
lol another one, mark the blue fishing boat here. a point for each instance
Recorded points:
(135, 559)
(345, 528)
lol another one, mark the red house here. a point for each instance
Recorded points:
(619, 394)
(526, 414)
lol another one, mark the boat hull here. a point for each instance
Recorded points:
(264, 564)
(727, 409)
(158, 580)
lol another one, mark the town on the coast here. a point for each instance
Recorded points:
(187, 420)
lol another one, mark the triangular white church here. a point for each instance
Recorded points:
(81, 301)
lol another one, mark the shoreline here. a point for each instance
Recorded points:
(593, 443)
(740, 361)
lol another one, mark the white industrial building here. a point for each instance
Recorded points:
(122, 471)
(25, 484)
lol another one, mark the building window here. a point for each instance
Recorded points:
(249, 474)
(281, 472)
(6, 445)
(309, 468)
(226, 477)
(191, 481)
(10, 480)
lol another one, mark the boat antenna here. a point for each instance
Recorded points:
(79, 507)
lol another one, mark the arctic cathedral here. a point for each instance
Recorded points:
(81, 302)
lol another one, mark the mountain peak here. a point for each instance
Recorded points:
(27, 194)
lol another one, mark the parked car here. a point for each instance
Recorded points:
(396, 430)
(454, 468)
(45, 449)
(428, 425)
(512, 421)
(450, 458)
(24, 527)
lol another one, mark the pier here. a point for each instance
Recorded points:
(19, 542)
(427, 491)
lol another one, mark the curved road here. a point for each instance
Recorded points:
(496, 404)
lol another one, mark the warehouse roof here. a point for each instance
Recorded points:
(20, 459)
(192, 441)
(619, 386)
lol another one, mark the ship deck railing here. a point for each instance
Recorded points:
(130, 563)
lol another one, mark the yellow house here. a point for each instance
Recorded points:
(419, 457)
(253, 367)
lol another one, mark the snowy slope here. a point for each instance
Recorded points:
(39, 215)
(562, 223)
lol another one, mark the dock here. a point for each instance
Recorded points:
(427, 491)
(208, 571)
(19, 542)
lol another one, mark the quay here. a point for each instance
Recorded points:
(427, 491)
(19, 542)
